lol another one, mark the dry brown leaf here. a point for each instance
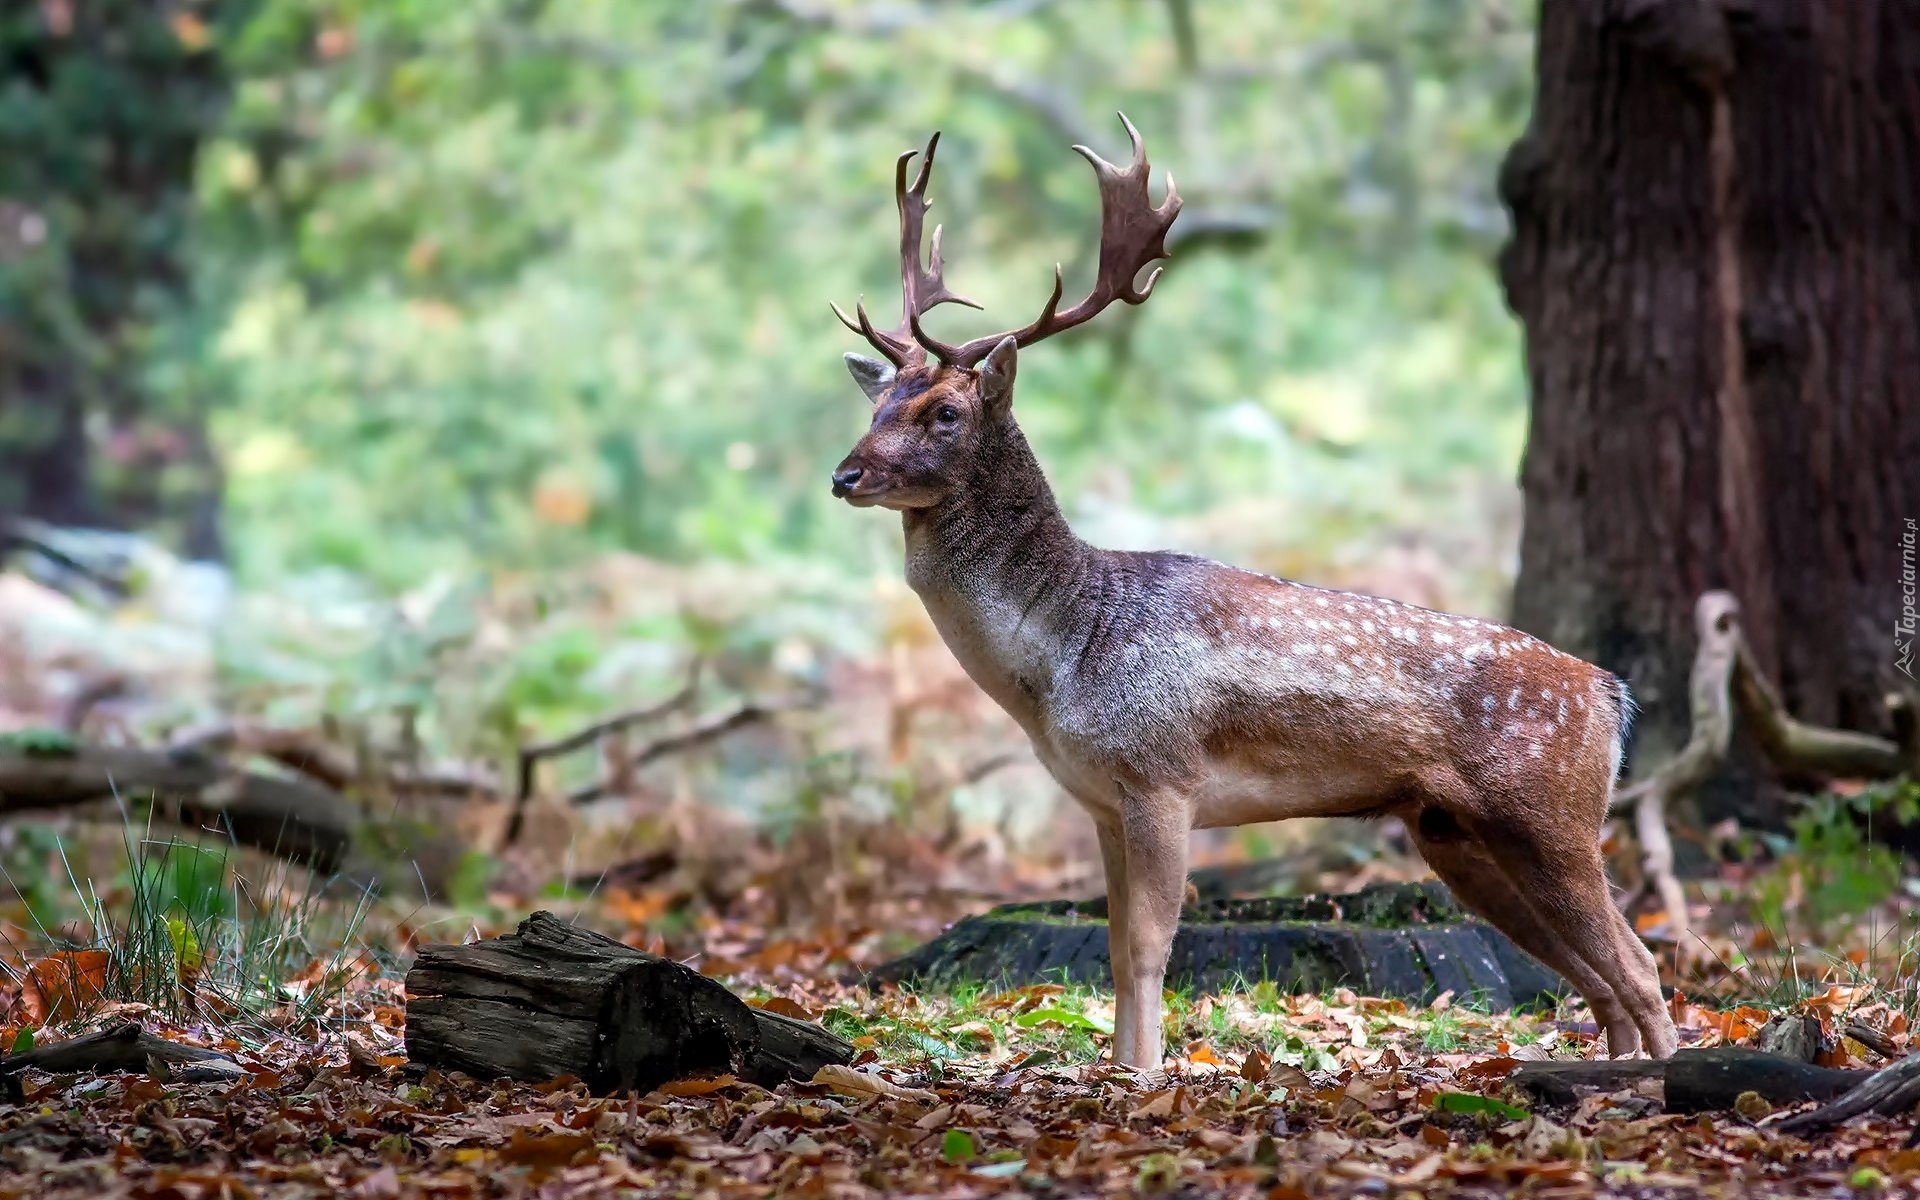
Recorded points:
(849, 1082)
(696, 1087)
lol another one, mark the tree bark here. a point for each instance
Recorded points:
(552, 999)
(107, 103)
(1716, 214)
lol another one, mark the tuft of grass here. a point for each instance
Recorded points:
(1444, 1032)
(183, 931)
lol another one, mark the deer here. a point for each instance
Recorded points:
(1165, 692)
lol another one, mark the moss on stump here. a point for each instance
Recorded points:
(1409, 941)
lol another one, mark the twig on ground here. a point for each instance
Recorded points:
(125, 1047)
(1872, 1039)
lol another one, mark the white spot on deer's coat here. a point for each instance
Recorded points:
(1560, 716)
(1545, 694)
(1320, 600)
(1513, 699)
(1350, 640)
(1445, 639)
(1366, 626)
(1487, 702)
(1305, 648)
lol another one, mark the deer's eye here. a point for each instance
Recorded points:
(946, 414)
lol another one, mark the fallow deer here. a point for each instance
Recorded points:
(1165, 692)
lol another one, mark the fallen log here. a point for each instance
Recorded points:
(1692, 1080)
(125, 1047)
(553, 999)
(290, 817)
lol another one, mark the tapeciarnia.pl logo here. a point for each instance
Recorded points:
(1904, 626)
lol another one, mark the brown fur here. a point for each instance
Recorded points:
(1166, 692)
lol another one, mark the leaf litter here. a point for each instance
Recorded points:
(1027, 1107)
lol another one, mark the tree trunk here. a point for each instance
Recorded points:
(1716, 214)
(107, 103)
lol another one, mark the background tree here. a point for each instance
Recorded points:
(103, 106)
(1716, 216)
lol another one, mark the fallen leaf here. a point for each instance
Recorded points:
(1065, 1018)
(790, 1008)
(60, 987)
(550, 1149)
(696, 1087)
(1256, 1066)
(849, 1082)
(1469, 1102)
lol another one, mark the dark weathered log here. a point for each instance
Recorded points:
(1712, 1079)
(1891, 1091)
(125, 1047)
(1693, 1080)
(1403, 940)
(291, 817)
(1565, 1082)
(553, 999)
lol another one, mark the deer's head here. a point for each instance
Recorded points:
(939, 410)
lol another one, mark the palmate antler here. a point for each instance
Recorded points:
(1132, 234)
(921, 288)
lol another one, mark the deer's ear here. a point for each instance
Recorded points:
(873, 376)
(996, 375)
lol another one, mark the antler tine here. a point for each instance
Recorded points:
(1133, 232)
(898, 350)
(922, 286)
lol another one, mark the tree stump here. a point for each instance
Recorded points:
(553, 999)
(1409, 941)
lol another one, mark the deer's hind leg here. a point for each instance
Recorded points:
(1568, 885)
(1469, 869)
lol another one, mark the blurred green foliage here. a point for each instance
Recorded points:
(511, 282)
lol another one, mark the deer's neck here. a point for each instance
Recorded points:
(999, 572)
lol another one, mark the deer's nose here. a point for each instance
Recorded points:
(845, 478)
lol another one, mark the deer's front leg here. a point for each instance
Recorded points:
(1154, 831)
(1113, 857)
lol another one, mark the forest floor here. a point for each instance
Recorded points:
(964, 1094)
(973, 1093)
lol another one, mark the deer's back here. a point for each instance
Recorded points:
(1266, 699)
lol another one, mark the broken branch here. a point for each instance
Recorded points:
(581, 739)
(699, 734)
